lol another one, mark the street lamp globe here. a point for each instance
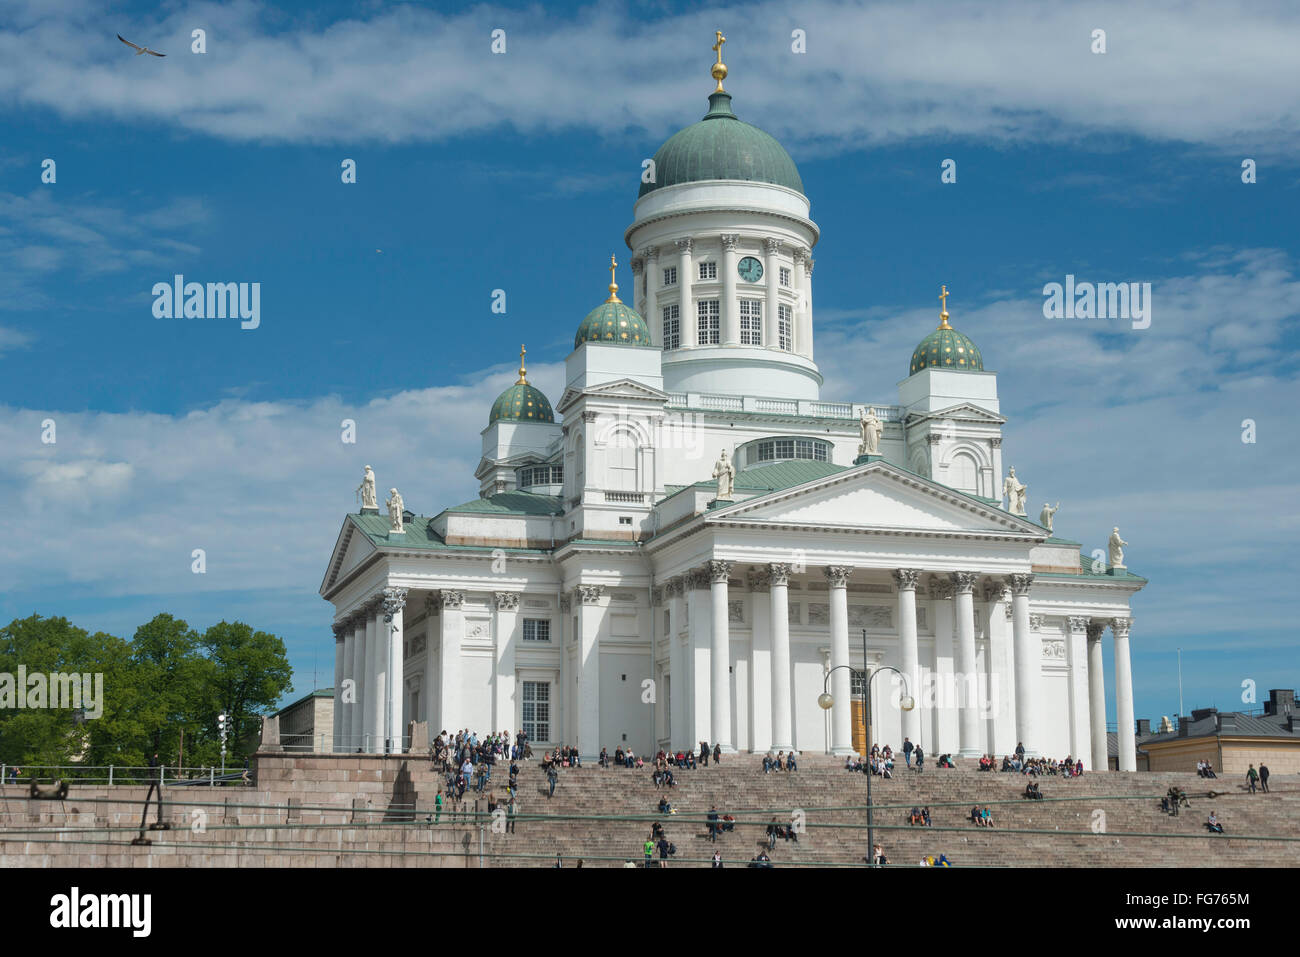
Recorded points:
(825, 701)
(907, 702)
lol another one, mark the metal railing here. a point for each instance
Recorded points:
(116, 774)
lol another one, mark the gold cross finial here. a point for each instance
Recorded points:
(522, 380)
(719, 71)
(943, 314)
(613, 286)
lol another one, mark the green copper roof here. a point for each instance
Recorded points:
(946, 348)
(521, 403)
(720, 146)
(782, 475)
(614, 322)
(516, 503)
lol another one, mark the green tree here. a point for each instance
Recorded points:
(250, 674)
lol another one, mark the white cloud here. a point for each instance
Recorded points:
(1220, 73)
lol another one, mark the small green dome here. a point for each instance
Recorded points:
(946, 348)
(720, 146)
(521, 403)
(613, 322)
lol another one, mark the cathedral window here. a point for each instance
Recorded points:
(707, 314)
(751, 322)
(537, 629)
(672, 328)
(780, 450)
(785, 277)
(784, 328)
(541, 475)
(708, 270)
(537, 710)
(962, 473)
(670, 276)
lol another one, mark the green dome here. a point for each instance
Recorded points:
(521, 403)
(946, 348)
(613, 322)
(720, 146)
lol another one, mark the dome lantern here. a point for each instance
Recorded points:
(946, 348)
(521, 402)
(613, 321)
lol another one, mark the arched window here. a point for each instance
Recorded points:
(621, 457)
(963, 473)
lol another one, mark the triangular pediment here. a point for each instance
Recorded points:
(876, 497)
(617, 389)
(963, 412)
(350, 550)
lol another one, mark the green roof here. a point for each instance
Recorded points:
(946, 348)
(418, 531)
(614, 322)
(720, 146)
(514, 503)
(521, 403)
(779, 475)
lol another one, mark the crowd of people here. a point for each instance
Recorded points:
(779, 762)
(1068, 766)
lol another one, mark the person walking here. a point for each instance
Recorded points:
(511, 810)
(1263, 776)
(908, 748)
(919, 754)
(717, 859)
(649, 848)
(713, 823)
(437, 807)
(553, 776)
(1252, 776)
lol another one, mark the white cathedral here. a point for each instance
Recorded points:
(703, 545)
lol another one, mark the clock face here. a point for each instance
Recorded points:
(750, 269)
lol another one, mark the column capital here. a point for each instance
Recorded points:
(1020, 584)
(838, 575)
(589, 415)
(964, 582)
(657, 596)
(771, 245)
(1035, 622)
(759, 579)
(799, 254)
(394, 601)
(729, 241)
(638, 265)
(566, 604)
(1120, 626)
(696, 579)
(996, 441)
(685, 246)
(451, 599)
(341, 629)
(1076, 623)
(506, 600)
(589, 594)
(907, 578)
(718, 571)
(1096, 628)
(650, 254)
(995, 589)
(941, 589)
(779, 573)
(675, 586)
(808, 264)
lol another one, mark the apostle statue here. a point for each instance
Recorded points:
(395, 509)
(367, 490)
(1045, 517)
(871, 431)
(1015, 493)
(725, 473)
(1116, 548)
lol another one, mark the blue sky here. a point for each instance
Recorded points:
(518, 171)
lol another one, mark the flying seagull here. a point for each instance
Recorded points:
(139, 50)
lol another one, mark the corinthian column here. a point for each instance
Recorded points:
(1097, 695)
(772, 273)
(393, 603)
(782, 732)
(1029, 664)
(729, 308)
(684, 279)
(968, 717)
(653, 279)
(342, 638)
(906, 579)
(720, 657)
(1124, 724)
(837, 578)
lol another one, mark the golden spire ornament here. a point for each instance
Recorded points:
(613, 286)
(522, 380)
(719, 71)
(943, 314)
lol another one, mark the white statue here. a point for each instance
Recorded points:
(395, 508)
(871, 431)
(725, 473)
(367, 490)
(1045, 519)
(1015, 493)
(1116, 548)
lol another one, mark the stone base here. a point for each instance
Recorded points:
(864, 459)
(369, 511)
(720, 503)
(1117, 570)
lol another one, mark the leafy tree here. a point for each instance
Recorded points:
(251, 673)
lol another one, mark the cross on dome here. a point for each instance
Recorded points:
(943, 314)
(719, 71)
(613, 286)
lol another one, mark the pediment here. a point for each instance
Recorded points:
(618, 389)
(350, 550)
(877, 497)
(963, 412)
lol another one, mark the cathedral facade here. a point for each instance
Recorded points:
(693, 545)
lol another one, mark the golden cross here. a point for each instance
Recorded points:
(718, 45)
(943, 314)
(613, 284)
(522, 380)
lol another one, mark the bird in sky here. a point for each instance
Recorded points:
(139, 50)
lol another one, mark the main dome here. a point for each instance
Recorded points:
(720, 146)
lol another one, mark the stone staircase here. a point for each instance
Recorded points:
(369, 810)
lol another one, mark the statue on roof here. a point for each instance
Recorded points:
(1116, 548)
(367, 490)
(725, 473)
(1045, 517)
(395, 509)
(871, 432)
(1016, 492)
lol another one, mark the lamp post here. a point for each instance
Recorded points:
(826, 701)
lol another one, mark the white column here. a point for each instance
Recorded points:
(376, 675)
(999, 668)
(395, 690)
(729, 308)
(1029, 665)
(1124, 724)
(431, 668)
(506, 632)
(909, 652)
(837, 576)
(653, 279)
(638, 288)
(680, 687)
(356, 710)
(449, 669)
(1097, 695)
(1076, 654)
(806, 324)
(341, 630)
(968, 700)
(771, 272)
(684, 279)
(699, 619)
(782, 730)
(759, 712)
(720, 657)
(944, 732)
(590, 615)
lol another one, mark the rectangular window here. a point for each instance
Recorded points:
(751, 322)
(537, 710)
(672, 328)
(784, 328)
(785, 277)
(708, 270)
(670, 276)
(707, 327)
(537, 629)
